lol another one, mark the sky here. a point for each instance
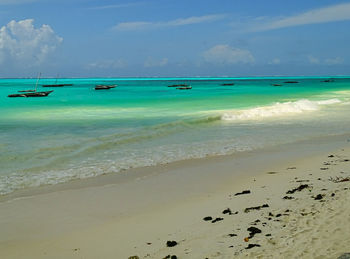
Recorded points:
(174, 38)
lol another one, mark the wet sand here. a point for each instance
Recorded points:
(289, 201)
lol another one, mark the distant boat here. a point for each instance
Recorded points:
(276, 84)
(291, 82)
(31, 93)
(56, 85)
(328, 81)
(104, 87)
(178, 85)
(226, 84)
(184, 88)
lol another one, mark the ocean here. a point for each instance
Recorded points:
(77, 132)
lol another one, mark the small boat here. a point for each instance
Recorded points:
(226, 84)
(178, 85)
(57, 85)
(276, 84)
(32, 94)
(328, 81)
(184, 88)
(291, 82)
(104, 87)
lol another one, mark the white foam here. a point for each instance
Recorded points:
(277, 109)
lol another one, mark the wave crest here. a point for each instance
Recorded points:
(277, 109)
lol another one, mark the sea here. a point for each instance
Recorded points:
(78, 132)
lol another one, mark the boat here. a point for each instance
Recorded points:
(328, 81)
(276, 84)
(226, 84)
(184, 88)
(104, 87)
(32, 94)
(178, 85)
(56, 85)
(291, 82)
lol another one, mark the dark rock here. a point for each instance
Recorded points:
(300, 188)
(232, 235)
(288, 197)
(253, 231)
(324, 168)
(278, 215)
(173, 257)
(217, 219)
(171, 243)
(243, 192)
(333, 194)
(318, 197)
(252, 245)
(207, 218)
(344, 256)
(133, 257)
(227, 211)
(330, 156)
(270, 214)
(268, 235)
(256, 208)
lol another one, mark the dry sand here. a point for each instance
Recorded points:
(137, 212)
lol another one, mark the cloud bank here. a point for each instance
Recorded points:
(24, 45)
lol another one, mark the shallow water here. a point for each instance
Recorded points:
(77, 132)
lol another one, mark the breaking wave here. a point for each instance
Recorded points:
(277, 109)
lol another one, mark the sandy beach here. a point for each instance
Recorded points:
(289, 201)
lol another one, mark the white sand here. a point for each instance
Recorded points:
(136, 213)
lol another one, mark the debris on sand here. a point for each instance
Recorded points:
(243, 192)
(256, 208)
(300, 188)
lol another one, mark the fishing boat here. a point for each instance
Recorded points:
(104, 87)
(227, 84)
(32, 93)
(56, 85)
(184, 88)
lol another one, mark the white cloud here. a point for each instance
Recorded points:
(275, 61)
(22, 44)
(224, 54)
(115, 6)
(140, 25)
(150, 62)
(334, 61)
(105, 64)
(333, 13)
(313, 60)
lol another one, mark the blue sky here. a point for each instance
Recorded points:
(94, 38)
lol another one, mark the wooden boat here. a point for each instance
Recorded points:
(104, 87)
(178, 85)
(184, 88)
(57, 85)
(32, 94)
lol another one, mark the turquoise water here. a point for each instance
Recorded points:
(77, 132)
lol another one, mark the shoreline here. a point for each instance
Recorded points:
(102, 217)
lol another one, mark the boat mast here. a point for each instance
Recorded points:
(37, 81)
